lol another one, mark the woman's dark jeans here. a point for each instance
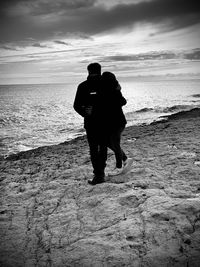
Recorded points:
(114, 145)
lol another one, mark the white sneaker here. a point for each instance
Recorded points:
(128, 165)
(127, 161)
(116, 171)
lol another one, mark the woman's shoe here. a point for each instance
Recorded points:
(127, 165)
(116, 171)
(128, 161)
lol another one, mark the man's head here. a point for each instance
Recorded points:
(94, 68)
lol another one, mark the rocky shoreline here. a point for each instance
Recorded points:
(50, 216)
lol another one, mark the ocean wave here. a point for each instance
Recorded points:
(5, 121)
(196, 95)
(177, 108)
(171, 109)
(195, 101)
(68, 130)
(144, 110)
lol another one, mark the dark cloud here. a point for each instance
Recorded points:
(179, 13)
(44, 7)
(8, 3)
(80, 35)
(139, 57)
(191, 55)
(61, 42)
(52, 6)
(40, 45)
(6, 47)
(41, 19)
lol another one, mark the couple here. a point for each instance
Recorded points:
(99, 100)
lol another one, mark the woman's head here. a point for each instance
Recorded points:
(109, 76)
(110, 81)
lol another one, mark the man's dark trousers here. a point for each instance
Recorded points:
(98, 151)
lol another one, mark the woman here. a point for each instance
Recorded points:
(114, 120)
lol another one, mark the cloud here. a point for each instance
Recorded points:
(35, 7)
(61, 42)
(145, 56)
(6, 47)
(180, 13)
(39, 45)
(41, 19)
(79, 35)
(191, 55)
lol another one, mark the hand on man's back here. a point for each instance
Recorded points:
(88, 111)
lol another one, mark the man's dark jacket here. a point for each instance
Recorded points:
(106, 105)
(87, 96)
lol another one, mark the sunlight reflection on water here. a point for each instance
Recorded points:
(38, 115)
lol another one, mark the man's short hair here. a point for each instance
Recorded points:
(94, 68)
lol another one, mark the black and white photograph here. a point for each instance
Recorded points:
(100, 133)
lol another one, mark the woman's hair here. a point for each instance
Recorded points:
(110, 80)
(109, 76)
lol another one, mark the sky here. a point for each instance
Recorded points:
(48, 41)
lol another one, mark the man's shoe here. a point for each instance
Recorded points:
(96, 180)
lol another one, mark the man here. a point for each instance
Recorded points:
(87, 105)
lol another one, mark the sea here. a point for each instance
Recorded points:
(35, 115)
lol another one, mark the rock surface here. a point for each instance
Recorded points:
(50, 216)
